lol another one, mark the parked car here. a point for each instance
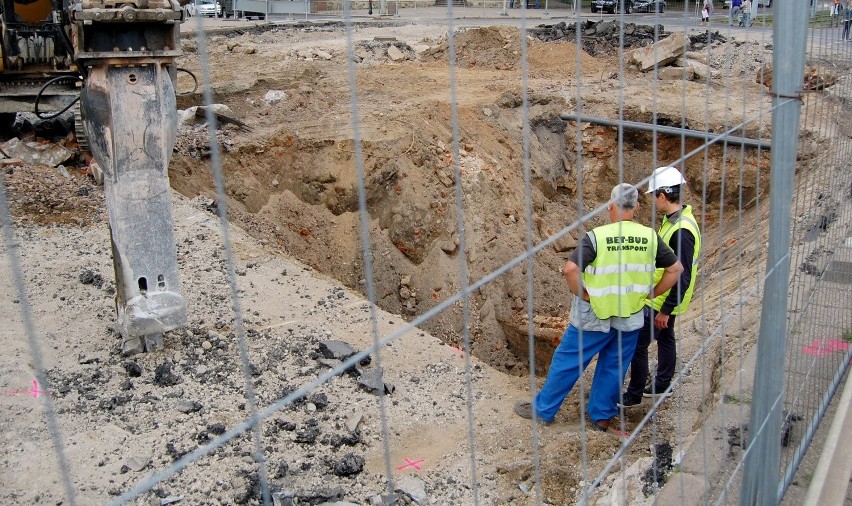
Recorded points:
(649, 6)
(612, 6)
(211, 8)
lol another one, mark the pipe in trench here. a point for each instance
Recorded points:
(667, 130)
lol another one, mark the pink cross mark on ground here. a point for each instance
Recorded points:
(622, 433)
(34, 391)
(823, 347)
(416, 464)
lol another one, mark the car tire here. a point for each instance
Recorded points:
(628, 7)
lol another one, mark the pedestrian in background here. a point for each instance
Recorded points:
(736, 5)
(610, 275)
(745, 13)
(679, 229)
(847, 20)
(706, 11)
(836, 9)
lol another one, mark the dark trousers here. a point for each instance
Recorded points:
(846, 29)
(666, 356)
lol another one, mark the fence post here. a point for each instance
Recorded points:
(763, 461)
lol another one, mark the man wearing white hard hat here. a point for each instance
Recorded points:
(679, 229)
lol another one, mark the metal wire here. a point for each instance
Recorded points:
(581, 213)
(812, 381)
(222, 207)
(32, 341)
(525, 140)
(364, 222)
(460, 230)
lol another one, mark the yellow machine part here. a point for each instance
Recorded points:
(33, 12)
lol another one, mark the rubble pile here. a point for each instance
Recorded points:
(698, 41)
(386, 51)
(315, 448)
(678, 58)
(599, 37)
(740, 58)
(193, 136)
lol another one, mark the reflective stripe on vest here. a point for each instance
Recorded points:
(685, 221)
(619, 279)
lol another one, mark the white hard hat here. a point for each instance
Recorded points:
(665, 177)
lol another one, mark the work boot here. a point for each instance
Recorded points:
(629, 401)
(524, 410)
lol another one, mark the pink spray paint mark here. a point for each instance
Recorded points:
(416, 464)
(35, 391)
(461, 351)
(823, 347)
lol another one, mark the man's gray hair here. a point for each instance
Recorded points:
(626, 196)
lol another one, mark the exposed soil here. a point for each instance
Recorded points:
(293, 180)
(292, 184)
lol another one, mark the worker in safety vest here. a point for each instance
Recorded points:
(679, 229)
(610, 275)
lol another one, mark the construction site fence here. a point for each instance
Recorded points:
(771, 383)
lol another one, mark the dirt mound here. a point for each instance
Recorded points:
(43, 195)
(547, 57)
(497, 47)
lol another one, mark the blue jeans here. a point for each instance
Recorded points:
(614, 350)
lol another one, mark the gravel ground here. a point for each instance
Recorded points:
(123, 418)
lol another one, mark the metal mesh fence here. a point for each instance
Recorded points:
(771, 189)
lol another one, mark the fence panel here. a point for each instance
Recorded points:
(446, 166)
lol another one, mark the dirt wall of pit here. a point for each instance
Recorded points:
(293, 180)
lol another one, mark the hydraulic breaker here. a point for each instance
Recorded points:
(126, 52)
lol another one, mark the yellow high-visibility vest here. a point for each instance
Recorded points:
(619, 279)
(686, 221)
